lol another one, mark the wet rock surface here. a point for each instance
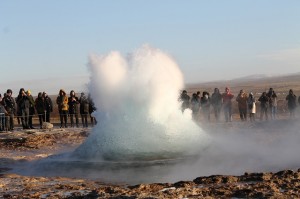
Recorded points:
(35, 144)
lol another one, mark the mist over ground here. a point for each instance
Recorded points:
(244, 147)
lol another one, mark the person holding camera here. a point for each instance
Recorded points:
(242, 104)
(251, 107)
(48, 105)
(23, 103)
(31, 108)
(264, 104)
(40, 109)
(62, 102)
(273, 103)
(227, 104)
(73, 108)
(84, 109)
(10, 106)
(291, 102)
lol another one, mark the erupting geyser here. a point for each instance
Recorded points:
(139, 113)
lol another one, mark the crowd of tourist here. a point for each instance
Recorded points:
(24, 107)
(246, 104)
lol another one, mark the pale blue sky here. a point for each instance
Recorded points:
(210, 40)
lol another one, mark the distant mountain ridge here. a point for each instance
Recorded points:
(257, 83)
(253, 77)
(262, 76)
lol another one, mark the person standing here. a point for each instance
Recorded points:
(48, 106)
(242, 104)
(273, 103)
(264, 104)
(185, 99)
(31, 109)
(17, 113)
(205, 105)
(251, 106)
(291, 99)
(195, 105)
(198, 96)
(216, 102)
(62, 102)
(92, 109)
(40, 109)
(73, 108)
(227, 104)
(3, 114)
(84, 109)
(10, 107)
(23, 108)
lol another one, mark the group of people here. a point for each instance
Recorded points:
(246, 104)
(24, 107)
(72, 106)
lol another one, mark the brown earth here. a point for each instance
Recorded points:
(22, 146)
(283, 184)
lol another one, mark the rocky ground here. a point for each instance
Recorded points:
(21, 146)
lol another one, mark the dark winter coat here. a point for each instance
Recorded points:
(31, 105)
(216, 100)
(185, 98)
(23, 102)
(48, 104)
(272, 99)
(205, 103)
(92, 106)
(264, 101)
(73, 105)
(39, 105)
(195, 103)
(9, 104)
(84, 105)
(291, 98)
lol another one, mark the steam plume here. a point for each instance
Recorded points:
(139, 112)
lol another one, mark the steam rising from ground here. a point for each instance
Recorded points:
(138, 110)
(142, 129)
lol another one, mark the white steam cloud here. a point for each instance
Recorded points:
(138, 109)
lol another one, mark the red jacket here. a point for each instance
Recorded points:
(227, 98)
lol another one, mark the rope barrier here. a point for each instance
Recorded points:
(7, 117)
(20, 116)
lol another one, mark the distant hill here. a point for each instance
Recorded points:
(51, 85)
(252, 83)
